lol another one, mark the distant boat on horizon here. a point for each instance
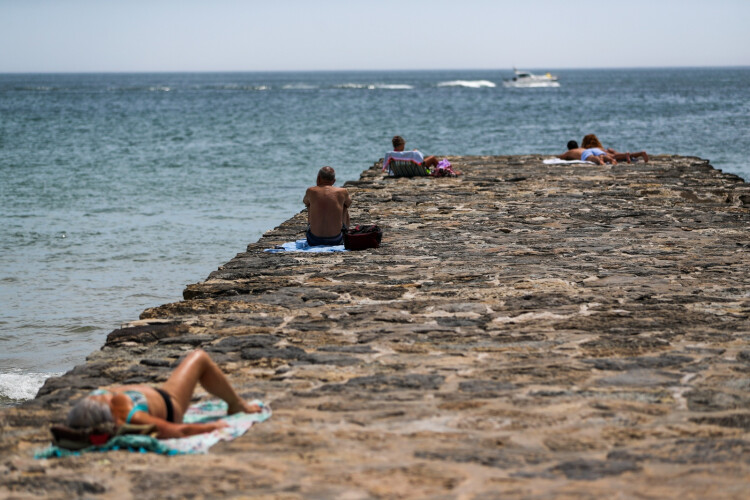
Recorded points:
(525, 79)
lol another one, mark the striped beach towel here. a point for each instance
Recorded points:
(404, 164)
(406, 168)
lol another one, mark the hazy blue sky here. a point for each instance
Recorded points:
(235, 35)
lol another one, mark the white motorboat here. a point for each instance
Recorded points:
(524, 79)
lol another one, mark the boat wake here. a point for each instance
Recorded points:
(375, 86)
(472, 84)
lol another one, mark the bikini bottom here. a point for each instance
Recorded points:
(167, 402)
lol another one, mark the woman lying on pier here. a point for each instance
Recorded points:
(593, 155)
(591, 141)
(161, 407)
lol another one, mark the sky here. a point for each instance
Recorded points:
(302, 35)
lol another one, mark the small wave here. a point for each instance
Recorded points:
(236, 86)
(351, 86)
(167, 88)
(472, 84)
(375, 86)
(148, 296)
(298, 86)
(22, 386)
(82, 329)
(394, 86)
(32, 88)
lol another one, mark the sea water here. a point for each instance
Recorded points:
(118, 190)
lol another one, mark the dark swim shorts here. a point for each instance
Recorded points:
(317, 241)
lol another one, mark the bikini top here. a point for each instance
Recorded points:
(140, 403)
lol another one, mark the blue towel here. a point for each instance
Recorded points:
(302, 246)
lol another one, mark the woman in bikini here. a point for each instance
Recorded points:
(161, 407)
(591, 141)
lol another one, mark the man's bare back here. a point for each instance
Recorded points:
(328, 206)
(572, 154)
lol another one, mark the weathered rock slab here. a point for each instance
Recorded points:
(524, 331)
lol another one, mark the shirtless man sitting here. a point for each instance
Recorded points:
(594, 155)
(327, 210)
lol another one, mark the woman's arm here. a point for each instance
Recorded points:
(172, 430)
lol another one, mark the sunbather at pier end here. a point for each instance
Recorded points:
(597, 156)
(592, 141)
(327, 210)
(415, 156)
(573, 152)
(162, 407)
(594, 154)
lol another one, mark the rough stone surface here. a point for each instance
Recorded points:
(524, 331)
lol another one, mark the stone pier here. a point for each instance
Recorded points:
(524, 331)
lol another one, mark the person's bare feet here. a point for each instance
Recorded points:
(645, 157)
(244, 407)
(252, 408)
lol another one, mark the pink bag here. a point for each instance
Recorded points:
(444, 169)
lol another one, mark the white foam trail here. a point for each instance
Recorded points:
(473, 84)
(394, 86)
(351, 86)
(22, 386)
(374, 86)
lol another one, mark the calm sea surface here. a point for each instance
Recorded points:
(117, 190)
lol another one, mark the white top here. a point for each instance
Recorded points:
(414, 156)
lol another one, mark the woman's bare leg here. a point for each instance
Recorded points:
(607, 158)
(640, 154)
(430, 161)
(622, 157)
(198, 367)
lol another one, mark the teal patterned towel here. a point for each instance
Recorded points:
(206, 411)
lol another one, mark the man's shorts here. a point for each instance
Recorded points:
(317, 241)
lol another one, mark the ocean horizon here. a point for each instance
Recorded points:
(534, 69)
(119, 189)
